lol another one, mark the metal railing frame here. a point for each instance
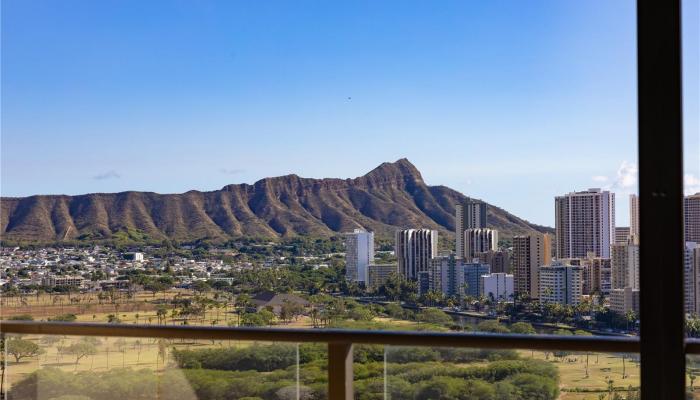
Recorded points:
(340, 341)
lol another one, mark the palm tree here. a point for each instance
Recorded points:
(692, 377)
(630, 316)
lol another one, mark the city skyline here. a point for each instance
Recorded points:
(164, 103)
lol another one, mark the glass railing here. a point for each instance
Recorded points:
(75, 361)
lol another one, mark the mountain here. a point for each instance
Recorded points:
(391, 196)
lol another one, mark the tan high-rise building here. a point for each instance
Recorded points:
(471, 214)
(530, 252)
(634, 215)
(414, 249)
(585, 222)
(478, 241)
(499, 260)
(622, 234)
(624, 265)
(624, 300)
(596, 273)
(691, 216)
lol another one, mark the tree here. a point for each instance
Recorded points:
(21, 317)
(290, 310)
(492, 326)
(113, 319)
(64, 318)
(21, 348)
(81, 349)
(361, 313)
(201, 286)
(162, 314)
(580, 332)
(434, 316)
(522, 328)
(692, 377)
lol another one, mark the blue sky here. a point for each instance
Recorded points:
(510, 101)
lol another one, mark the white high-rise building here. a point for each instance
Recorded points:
(585, 222)
(359, 254)
(469, 215)
(634, 215)
(479, 241)
(414, 250)
(561, 283)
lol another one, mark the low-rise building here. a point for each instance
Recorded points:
(62, 280)
(624, 300)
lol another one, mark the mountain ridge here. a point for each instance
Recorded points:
(389, 197)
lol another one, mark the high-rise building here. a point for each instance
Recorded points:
(624, 300)
(472, 278)
(497, 286)
(624, 265)
(414, 250)
(622, 234)
(634, 215)
(596, 273)
(478, 241)
(359, 254)
(471, 214)
(691, 216)
(561, 283)
(585, 221)
(691, 281)
(499, 260)
(448, 275)
(455, 277)
(530, 252)
(378, 274)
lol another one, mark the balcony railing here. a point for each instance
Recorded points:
(340, 342)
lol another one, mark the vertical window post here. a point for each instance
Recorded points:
(661, 199)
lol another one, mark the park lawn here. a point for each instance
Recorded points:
(138, 353)
(601, 368)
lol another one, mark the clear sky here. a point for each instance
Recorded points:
(510, 101)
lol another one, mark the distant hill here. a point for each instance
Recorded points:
(389, 197)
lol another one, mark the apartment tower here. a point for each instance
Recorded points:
(691, 209)
(585, 222)
(471, 214)
(561, 283)
(359, 254)
(634, 215)
(530, 252)
(479, 241)
(414, 250)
